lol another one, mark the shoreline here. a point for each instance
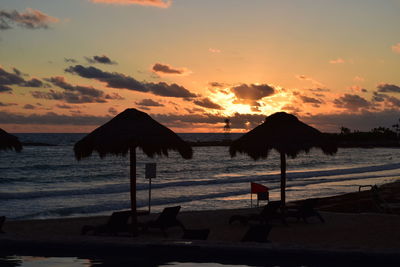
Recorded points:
(344, 231)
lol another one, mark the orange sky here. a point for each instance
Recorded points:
(69, 66)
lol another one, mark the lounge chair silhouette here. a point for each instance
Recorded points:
(305, 210)
(165, 220)
(196, 234)
(2, 220)
(257, 233)
(117, 223)
(269, 212)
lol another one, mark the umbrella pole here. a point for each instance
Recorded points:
(133, 189)
(283, 178)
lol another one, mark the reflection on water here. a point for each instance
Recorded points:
(224, 259)
(31, 261)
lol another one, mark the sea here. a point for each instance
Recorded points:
(46, 181)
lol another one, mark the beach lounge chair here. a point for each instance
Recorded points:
(117, 223)
(2, 220)
(165, 220)
(268, 213)
(196, 234)
(305, 210)
(257, 233)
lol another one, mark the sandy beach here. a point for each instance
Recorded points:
(346, 230)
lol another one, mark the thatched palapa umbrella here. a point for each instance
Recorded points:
(286, 134)
(129, 130)
(9, 142)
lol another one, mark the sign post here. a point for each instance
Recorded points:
(150, 172)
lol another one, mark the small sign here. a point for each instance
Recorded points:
(151, 170)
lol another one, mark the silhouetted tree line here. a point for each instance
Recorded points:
(380, 136)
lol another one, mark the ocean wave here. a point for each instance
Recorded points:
(296, 177)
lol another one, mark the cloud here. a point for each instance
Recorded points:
(149, 103)
(73, 94)
(214, 50)
(291, 109)
(216, 84)
(238, 121)
(7, 104)
(100, 59)
(351, 102)
(252, 91)
(388, 88)
(51, 118)
(29, 106)
(337, 61)
(356, 88)
(388, 101)
(30, 19)
(309, 79)
(70, 60)
(64, 106)
(121, 81)
(155, 3)
(358, 79)
(112, 79)
(364, 121)
(166, 69)
(169, 90)
(112, 111)
(311, 100)
(396, 48)
(5, 89)
(8, 78)
(207, 103)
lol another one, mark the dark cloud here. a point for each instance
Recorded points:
(388, 88)
(149, 103)
(386, 100)
(319, 90)
(216, 84)
(29, 106)
(16, 78)
(73, 94)
(112, 79)
(118, 80)
(51, 118)
(351, 102)
(114, 96)
(70, 60)
(253, 91)
(169, 90)
(7, 104)
(377, 97)
(207, 103)
(194, 110)
(100, 59)
(161, 68)
(238, 121)
(5, 89)
(64, 106)
(311, 100)
(291, 109)
(30, 19)
(363, 121)
(112, 111)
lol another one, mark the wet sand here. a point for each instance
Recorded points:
(352, 223)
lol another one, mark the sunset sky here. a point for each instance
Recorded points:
(70, 66)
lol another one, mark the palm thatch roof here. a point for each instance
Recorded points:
(131, 128)
(284, 133)
(9, 142)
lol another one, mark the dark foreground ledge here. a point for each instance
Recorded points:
(156, 254)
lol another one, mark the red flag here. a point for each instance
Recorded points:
(258, 188)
